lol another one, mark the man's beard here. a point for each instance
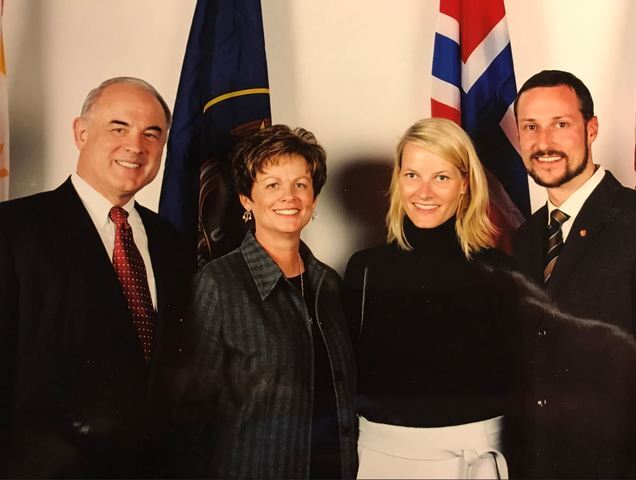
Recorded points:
(567, 175)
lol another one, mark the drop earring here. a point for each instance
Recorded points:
(247, 216)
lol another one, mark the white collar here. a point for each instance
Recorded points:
(573, 204)
(95, 203)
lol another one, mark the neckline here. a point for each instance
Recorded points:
(442, 238)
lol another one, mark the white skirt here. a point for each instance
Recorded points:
(471, 450)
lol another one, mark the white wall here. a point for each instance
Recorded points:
(355, 72)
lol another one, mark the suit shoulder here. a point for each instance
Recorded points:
(28, 212)
(621, 213)
(159, 221)
(626, 199)
(26, 204)
(610, 193)
(161, 230)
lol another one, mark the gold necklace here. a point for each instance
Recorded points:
(300, 270)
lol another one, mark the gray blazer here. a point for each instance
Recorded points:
(250, 394)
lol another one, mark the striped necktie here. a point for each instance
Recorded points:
(131, 272)
(555, 241)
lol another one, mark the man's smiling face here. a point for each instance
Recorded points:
(121, 140)
(554, 137)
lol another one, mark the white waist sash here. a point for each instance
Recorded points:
(470, 442)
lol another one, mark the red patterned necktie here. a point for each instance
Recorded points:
(131, 272)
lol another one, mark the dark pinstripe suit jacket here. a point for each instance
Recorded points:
(253, 367)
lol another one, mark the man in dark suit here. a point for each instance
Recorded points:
(80, 363)
(582, 244)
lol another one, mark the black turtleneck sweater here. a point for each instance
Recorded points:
(437, 342)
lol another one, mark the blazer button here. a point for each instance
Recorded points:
(542, 403)
(542, 333)
(83, 429)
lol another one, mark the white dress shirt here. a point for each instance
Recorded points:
(572, 206)
(98, 208)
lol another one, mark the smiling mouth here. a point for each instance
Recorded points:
(126, 164)
(287, 211)
(425, 207)
(547, 158)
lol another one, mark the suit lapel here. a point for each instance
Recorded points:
(159, 256)
(84, 245)
(164, 271)
(535, 250)
(90, 264)
(587, 225)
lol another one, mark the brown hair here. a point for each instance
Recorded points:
(264, 147)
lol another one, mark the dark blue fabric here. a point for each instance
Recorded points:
(225, 53)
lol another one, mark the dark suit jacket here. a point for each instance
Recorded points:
(577, 417)
(77, 398)
(595, 275)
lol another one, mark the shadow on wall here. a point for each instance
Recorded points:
(362, 187)
(624, 74)
(27, 106)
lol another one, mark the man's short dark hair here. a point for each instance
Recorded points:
(555, 78)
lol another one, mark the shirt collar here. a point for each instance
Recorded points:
(97, 205)
(265, 272)
(573, 204)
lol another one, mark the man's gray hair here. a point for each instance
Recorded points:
(94, 94)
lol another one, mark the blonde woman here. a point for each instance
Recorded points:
(436, 375)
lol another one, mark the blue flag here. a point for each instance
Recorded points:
(223, 94)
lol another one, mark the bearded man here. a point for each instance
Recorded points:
(581, 245)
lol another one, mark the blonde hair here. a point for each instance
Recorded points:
(447, 140)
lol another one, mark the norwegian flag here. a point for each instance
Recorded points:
(474, 85)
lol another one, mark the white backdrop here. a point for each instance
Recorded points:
(356, 73)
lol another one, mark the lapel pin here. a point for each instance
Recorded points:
(583, 232)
